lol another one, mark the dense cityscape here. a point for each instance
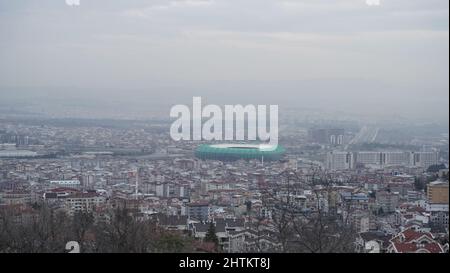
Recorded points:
(349, 189)
(224, 135)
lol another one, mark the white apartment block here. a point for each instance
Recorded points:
(396, 158)
(368, 158)
(338, 160)
(425, 159)
(85, 202)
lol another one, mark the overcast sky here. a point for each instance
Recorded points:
(343, 54)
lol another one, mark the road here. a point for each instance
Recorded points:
(367, 134)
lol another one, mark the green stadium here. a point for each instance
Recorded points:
(233, 152)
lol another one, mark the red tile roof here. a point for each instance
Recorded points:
(409, 241)
(411, 235)
(413, 247)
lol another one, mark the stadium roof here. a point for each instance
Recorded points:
(229, 152)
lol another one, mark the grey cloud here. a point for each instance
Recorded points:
(300, 52)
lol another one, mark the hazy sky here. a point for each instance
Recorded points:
(342, 54)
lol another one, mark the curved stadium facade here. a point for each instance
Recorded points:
(232, 152)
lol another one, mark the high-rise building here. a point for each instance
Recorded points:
(368, 158)
(339, 160)
(200, 211)
(437, 192)
(396, 158)
(437, 195)
(425, 159)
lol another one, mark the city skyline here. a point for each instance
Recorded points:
(244, 128)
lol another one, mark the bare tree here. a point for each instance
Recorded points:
(48, 231)
(315, 231)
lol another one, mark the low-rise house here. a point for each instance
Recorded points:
(372, 242)
(172, 222)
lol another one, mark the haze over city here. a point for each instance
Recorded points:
(331, 56)
(224, 126)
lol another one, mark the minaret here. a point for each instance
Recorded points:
(136, 186)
